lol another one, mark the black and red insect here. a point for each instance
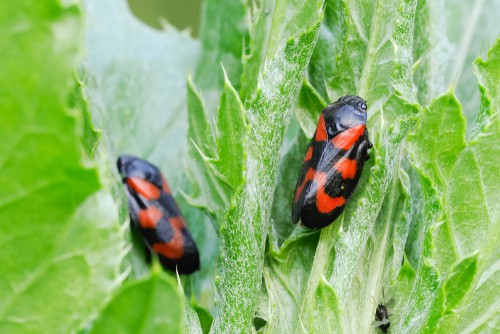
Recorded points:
(333, 163)
(382, 318)
(155, 214)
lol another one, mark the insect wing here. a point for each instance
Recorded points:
(164, 231)
(331, 170)
(174, 244)
(155, 214)
(306, 177)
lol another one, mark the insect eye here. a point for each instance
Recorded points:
(147, 176)
(362, 106)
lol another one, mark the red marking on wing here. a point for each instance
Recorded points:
(325, 203)
(174, 249)
(309, 154)
(321, 130)
(177, 223)
(346, 167)
(148, 218)
(165, 186)
(345, 139)
(148, 190)
(309, 176)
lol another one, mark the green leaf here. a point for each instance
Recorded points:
(451, 159)
(135, 84)
(484, 154)
(480, 313)
(216, 170)
(310, 106)
(246, 223)
(458, 283)
(223, 32)
(442, 119)
(365, 63)
(208, 192)
(404, 281)
(286, 275)
(328, 315)
(192, 322)
(199, 128)
(204, 317)
(150, 305)
(453, 234)
(402, 215)
(273, 22)
(413, 247)
(230, 136)
(91, 136)
(60, 239)
(419, 287)
(471, 30)
(324, 58)
(488, 74)
(431, 50)
(452, 291)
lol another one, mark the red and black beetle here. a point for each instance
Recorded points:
(333, 163)
(155, 214)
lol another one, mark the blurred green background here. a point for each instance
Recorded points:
(181, 14)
